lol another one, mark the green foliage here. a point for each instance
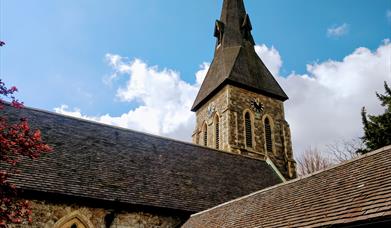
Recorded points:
(377, 129)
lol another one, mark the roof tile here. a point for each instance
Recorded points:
(354, 191)
(98, 161)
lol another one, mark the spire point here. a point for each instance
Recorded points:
(235, 61)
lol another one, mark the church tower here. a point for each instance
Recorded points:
(239, 108)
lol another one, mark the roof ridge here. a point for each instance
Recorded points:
(132, 130)
(372, 153)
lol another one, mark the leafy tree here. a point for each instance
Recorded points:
(17, 140)
(377, 129)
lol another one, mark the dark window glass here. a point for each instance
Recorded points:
(217, 132)
(249, 137)
(268, 136)
(205, 135)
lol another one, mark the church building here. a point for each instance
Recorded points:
(239, 107)
(239, 170)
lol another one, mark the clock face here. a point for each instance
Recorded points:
(257, 106)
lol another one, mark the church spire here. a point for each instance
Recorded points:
(235, 61)
(234, 26)
(239, 107)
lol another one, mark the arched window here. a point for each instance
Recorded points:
(268, 135)
(205, 131)
(74, 223)
(73, 220)
(217, 132)
(248, 130)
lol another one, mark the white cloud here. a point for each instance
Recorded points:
(324, 104)
(64, 109)
(271, 57)
(165, 99)
(200, 75)
(338, 31)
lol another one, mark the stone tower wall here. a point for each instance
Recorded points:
(230, 105)
(220, 105)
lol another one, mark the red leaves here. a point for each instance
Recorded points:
(13, 89)
(17, 104)
(15, 212)
(8, 94)
(17, 141)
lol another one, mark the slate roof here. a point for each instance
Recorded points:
(355, 192)
(235, 61)
(98, 161)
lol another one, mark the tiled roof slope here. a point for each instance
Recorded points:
(102, 162)
(352, 192)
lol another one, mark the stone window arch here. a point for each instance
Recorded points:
(205, 134)
(217, 131)
(248, 129)
(73, 220)
(268, 131)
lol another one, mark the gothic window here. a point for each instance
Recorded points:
(73, 220)
(205, 131)
(217, 132)
(74, 223)
(248, 130)
(268, 135)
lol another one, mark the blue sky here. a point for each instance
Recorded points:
(56, 50)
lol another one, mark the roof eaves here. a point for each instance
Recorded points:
(259, 91)
(211, 94)
(217, 88)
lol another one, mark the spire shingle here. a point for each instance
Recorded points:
(235, 61)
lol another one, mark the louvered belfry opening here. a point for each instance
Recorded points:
(205, 135)
(217, 132)
(268, 136)
(249, 137)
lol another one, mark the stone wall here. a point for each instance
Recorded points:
(206, 115)
(230, 104)
(49, 215)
